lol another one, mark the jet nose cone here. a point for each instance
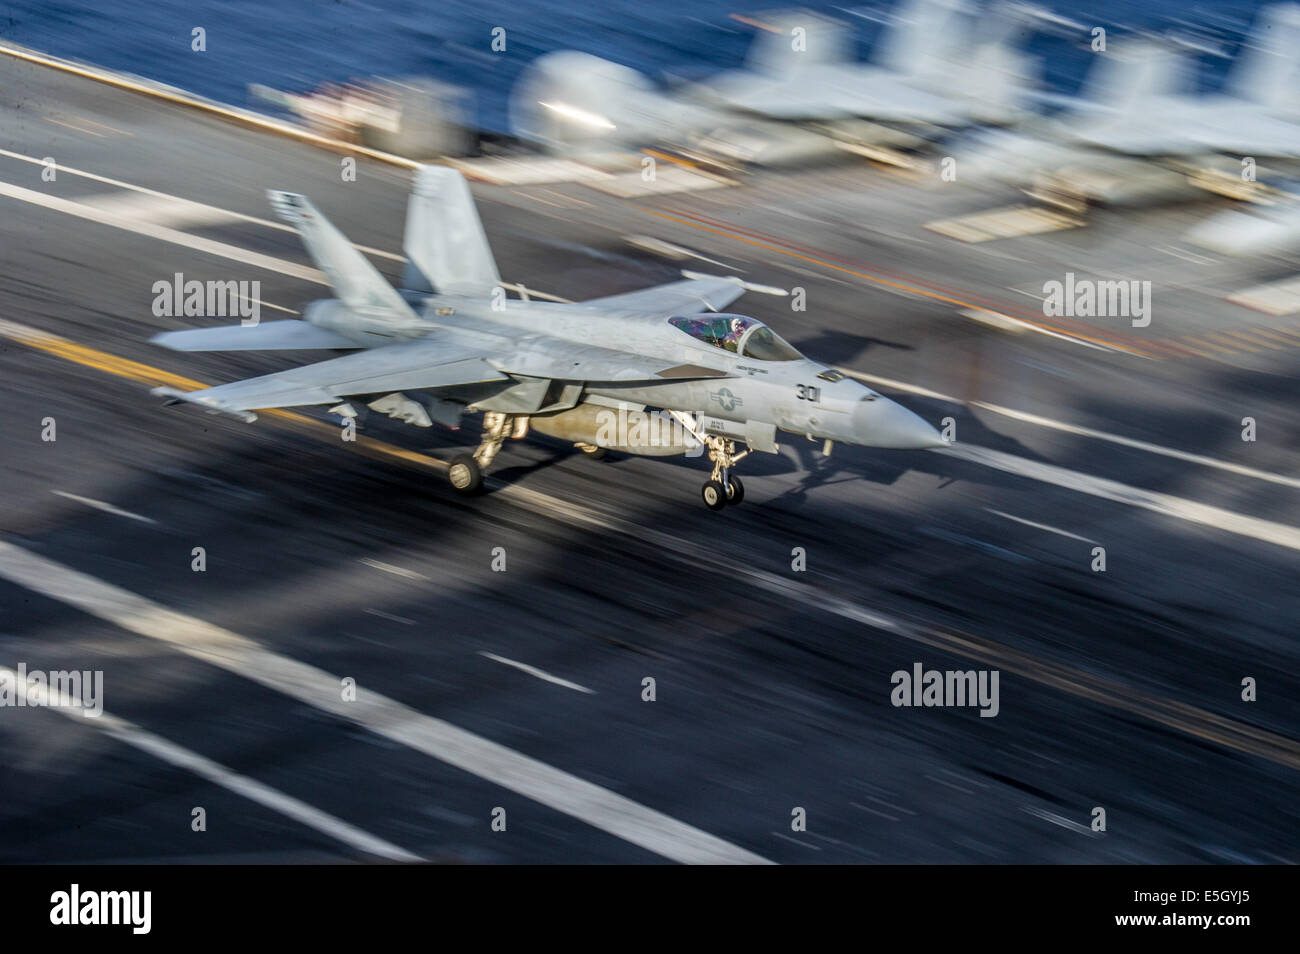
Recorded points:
(882, 423)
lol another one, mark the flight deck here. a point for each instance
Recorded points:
(629, 676)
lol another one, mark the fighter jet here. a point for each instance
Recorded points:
(800, 85)
(929, 67)
(1141, 134)
(659, 371)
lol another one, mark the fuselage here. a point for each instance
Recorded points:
(793, 394)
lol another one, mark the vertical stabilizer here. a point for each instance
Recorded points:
(356, 282)
(790, 42)
(446, 249)
(925, 38)
(1267, 69)
(1136, 76)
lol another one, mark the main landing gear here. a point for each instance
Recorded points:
(593, 451)
(465, 472)
(724, 488)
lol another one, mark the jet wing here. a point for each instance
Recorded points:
(1247, 133)
(698, 292)
(841, 95)
(676, 298)
(428, 363)
(1232, 130)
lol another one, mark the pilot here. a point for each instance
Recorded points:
(737, 331)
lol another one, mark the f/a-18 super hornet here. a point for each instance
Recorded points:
(659, 371)
(1142, 134)
(800, 92)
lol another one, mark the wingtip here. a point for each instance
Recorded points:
(431, 179)
(288, 206)
(175, 396)
(736, 280)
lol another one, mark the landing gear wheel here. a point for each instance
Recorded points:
(465, 474)
(737, 491)
(596, 453)
(715, 496)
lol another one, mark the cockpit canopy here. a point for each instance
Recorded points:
(747, 337)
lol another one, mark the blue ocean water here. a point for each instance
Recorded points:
(297, 44)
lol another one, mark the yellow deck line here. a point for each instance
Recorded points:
(1192, 721)
(147, 374)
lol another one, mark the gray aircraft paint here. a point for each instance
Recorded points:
(530, 357)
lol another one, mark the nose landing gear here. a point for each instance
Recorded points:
(717, 494)
(723, 488)
(735, 491)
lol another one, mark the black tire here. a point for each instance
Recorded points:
(737, 492)
(715, 497)
(596, 453)
(465, 475)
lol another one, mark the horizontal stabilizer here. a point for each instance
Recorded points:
(290, 335)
